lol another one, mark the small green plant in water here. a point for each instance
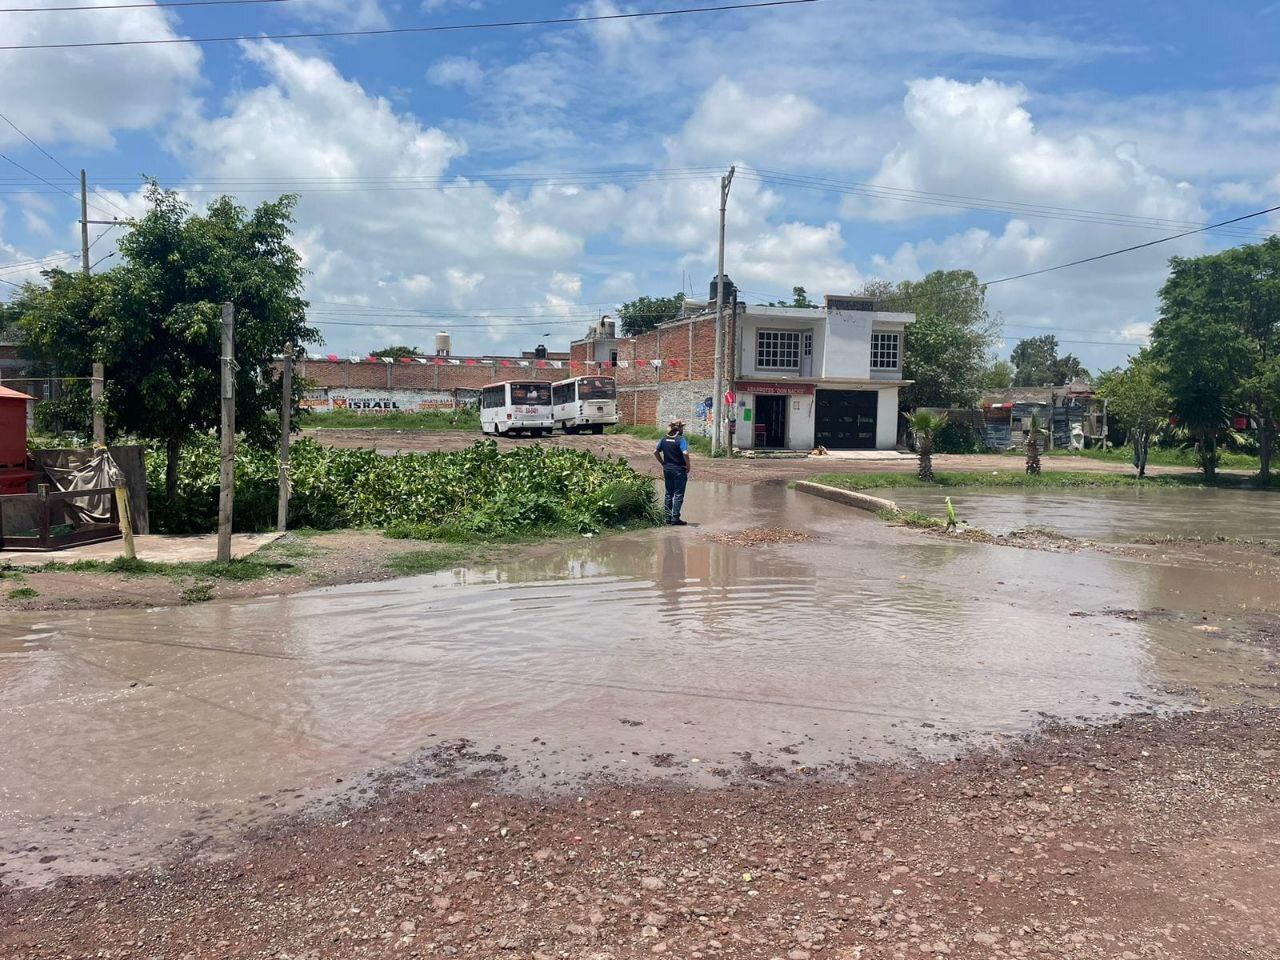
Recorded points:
(197, 593)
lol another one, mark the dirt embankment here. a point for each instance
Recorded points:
(314, 560)
(1149, 839)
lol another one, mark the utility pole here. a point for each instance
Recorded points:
(227, 474)
(717, 398)
(84, 224)
(286, 408)
(95, 395)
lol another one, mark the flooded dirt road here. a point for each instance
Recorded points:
(1117, 514)
(661, 654)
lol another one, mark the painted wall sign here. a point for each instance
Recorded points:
(775, 389)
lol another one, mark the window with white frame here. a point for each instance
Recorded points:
(777, 349)
(884, 351)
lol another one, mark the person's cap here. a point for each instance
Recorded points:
(675, 423)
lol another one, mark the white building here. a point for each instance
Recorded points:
(818, 377)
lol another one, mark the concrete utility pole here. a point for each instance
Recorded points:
(95, 394)
(717, 399)
(84, 225)
(227, 475)
(286, 408)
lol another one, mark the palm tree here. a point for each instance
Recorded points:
(924, 427)
(1033, 446)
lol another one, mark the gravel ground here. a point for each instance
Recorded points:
(1152, 838)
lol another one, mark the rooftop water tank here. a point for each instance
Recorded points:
(443, 344)
(730, 292)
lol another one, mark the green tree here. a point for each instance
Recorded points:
(1138, 402)
(397, 352)
(9, 314)
(924, 427)
(1218, 341)
(947, 346)
(155, 320)
(798, 299)
(1035, 361)
(644, 313)
(1068, 368)
(998, 376)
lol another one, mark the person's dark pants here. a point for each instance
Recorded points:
(675, 479)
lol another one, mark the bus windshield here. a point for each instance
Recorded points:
(531, 394)
(596, 388)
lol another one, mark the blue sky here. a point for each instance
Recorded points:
(1067, 132)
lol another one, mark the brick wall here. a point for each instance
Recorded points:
(646, 394)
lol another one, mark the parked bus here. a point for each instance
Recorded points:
(585, 403)
(516, 406)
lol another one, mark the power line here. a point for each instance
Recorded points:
(959, 202)
(52, 184)
(437, 28)
(32, 142)
(56, 161)
(132, 6)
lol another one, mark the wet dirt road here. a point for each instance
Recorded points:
(661, 654)
(1110, 514)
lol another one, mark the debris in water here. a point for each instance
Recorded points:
(753, 536)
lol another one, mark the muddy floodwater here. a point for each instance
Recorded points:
(1114, 514)
(654, 654)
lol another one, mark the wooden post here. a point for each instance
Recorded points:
(227, 476)
(126, 522)
(95, 393)
(286, 408)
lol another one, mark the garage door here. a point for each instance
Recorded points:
(845, 419)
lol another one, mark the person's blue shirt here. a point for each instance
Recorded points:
(673, 450)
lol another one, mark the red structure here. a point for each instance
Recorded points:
(13, 442)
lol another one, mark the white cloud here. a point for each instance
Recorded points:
(86, 97)
(456, 72)
(729, 120)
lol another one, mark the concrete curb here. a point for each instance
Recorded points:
(850, 498)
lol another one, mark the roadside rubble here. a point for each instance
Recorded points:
(1149, 838)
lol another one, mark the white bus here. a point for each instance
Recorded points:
(516, 406)
(585, 403)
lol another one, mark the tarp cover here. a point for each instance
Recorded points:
(72, 470)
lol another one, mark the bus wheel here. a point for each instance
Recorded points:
(597, 428)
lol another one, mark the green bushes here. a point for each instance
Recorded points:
(958, 438)
(478, 491)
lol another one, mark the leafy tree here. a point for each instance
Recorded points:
(1138, 402)
(1218, 341)
(397, 352)
(155, 320)
(998, 376)
(10, 311)
(1035, 360)
(798, 299)
(924, 427)
(1068, 368)
(644, 313)
(946, 348)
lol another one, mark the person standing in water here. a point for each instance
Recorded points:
(673, 453)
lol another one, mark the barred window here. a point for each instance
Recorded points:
(778, 349)
(884, 351)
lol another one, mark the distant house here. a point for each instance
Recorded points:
(1073, 410)
(802, 377)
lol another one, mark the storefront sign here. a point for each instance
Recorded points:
(775, 389)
